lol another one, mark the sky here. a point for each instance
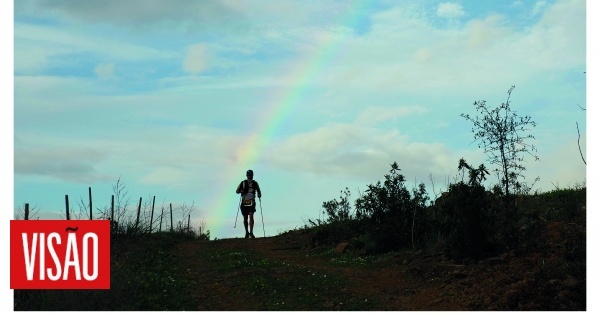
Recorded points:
(175, 100)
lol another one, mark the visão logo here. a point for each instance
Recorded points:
(60, 254)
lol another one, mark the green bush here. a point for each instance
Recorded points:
(465, 222)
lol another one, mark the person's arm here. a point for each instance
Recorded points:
(239, 188)
(258, 190)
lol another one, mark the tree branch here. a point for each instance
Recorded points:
(578, 137)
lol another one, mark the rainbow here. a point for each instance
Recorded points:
(278, 110)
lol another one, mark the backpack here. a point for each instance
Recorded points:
(247, 195)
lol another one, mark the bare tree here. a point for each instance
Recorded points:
(121, 200)
(20, 215)
(185, 211)
(500, 133)
(579, 137)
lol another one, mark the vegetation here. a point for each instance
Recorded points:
(500, 133)
(280, 286)
(468, 224)
(468, 221)
(300, 270)
(144, 276)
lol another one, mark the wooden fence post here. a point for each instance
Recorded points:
(171, 206)
(67, 205)
(152, 213)
(26, 211)
(162, 211)
(90, 191)
(137, 220)
(188, 227)
(112, 208)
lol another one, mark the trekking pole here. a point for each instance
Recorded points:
(261, 216)
(238, 211)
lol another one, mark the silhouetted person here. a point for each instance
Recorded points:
(249, 189)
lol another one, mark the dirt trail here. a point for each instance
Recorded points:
(278, 273)
(386, 285)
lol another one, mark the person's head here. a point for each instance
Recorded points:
(249, 174)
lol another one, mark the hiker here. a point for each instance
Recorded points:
(248, 188)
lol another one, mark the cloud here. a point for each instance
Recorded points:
(184, 158)
(60, 162)
(558, 40)
(358, 152)
(516, 4)
(423, 55)
(105, 71)
(133, 13)
(163, 122)
(485, 33)
(559, 167)
(450, 10)
(196, 59)
(165, 176)
(224, 17)
(374, 115)
(539, 7)
(29, 59)
(407, 53)
(37, 46)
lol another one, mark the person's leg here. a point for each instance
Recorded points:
(251, 215)
(245, 214)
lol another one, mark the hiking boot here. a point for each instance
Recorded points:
(247, 235)
(251, 235)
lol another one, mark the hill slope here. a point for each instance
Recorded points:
(282, 273)
(545, 269)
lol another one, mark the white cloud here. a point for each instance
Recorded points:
(554, 170)
(450, 10)
(539, 7)
(29, 59)
(35, 45)
(105, 70)
(358, 152)
(129, 13)
(196, 59)
(558, 40)
(423, 55)
(76, 164)
(517, 4)
(406, 53)
(374, 115)
(175, 157)
(225, 17)
(165, 176)
(485, 33)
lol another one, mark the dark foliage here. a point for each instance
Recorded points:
(144, 276)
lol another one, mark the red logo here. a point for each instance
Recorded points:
(60, 254)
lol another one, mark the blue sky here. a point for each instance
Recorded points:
(167, 96)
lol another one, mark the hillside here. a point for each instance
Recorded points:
(280, 273)
(296, 271)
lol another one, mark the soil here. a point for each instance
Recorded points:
(536, 277)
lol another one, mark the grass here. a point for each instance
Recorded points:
(279, 286)
(144, 277)
(350, 258)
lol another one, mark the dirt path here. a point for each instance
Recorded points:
(379, 285)
(278, 273)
